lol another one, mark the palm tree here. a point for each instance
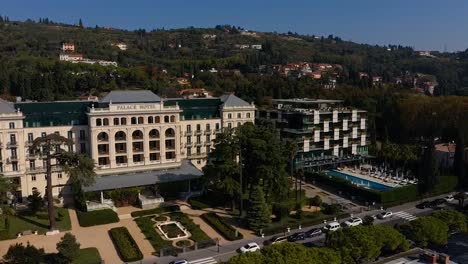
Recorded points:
(79, 167)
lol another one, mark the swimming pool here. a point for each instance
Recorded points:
(359, 181)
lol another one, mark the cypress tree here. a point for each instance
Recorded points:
(258, 214)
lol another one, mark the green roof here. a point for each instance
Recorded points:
(43, 114)
(193, 109)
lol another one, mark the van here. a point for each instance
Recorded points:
(332, 226)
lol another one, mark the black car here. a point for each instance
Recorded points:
(314, 232)
(423, 205)
(437, 202)
(296, 237)
(274, 240)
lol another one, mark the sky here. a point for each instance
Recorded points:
(422, 24)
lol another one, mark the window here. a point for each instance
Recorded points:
(137, 135)
(170, 132)
(198, 127)
(189, 152)
(208, 149)
(189, 140)
(157, 119)
(208, 138)
(154, 156)
(12, 125)
(14, 166)
(123, 121)
(121, 159)
(150, 120)
(13, 153)
(106, 121)
(189, 128)
(120, 136)
(102, 137)
(30, 137)
(248, 115)
(59, 175)
(33, 178)
(198, 139)
(70, 134)
(229, 125)
(43, 134)
(229, 116)
(154, 133)
(116, 121)
(32, 164)
(217, 126)
(198, 150)
(140, 120)
(166, 119)
(82, 135)
(172, 119)
(83, 148)
(13, 138)
(207, 127)
(98, 122)
(133, 120)
(239, 115)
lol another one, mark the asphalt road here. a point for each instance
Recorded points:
(401, 214)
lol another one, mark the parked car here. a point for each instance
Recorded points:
(296, 237)
(425, 204)
(384, 215)
(250, 247)
(314, 232)
(179, 261)
(275, 240)
(332, 226)
(355, 221)
(437, 202)
(449, 198)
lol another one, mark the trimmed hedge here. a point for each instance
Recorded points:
(220, 225)
(160, 210)
(99, 217)
(125, 244)
(388, 198)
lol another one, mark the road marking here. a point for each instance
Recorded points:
(209, 260)
(405, 215)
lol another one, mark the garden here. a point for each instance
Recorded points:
(125, 244)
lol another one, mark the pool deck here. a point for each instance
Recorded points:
(369, 178)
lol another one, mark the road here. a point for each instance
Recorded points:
(401, 214)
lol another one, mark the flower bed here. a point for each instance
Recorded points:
(220, 225)
(126, 246)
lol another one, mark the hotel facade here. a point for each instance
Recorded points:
(135, 137)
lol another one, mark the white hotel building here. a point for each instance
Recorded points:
(135, 137)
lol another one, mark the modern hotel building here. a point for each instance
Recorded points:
(134, 137)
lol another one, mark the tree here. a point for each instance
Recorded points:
(368, 220)
(428, 230)
(68, 247)
(258, 213)
(390, 239)
(428, 171)
(35, 202)
(248, 258)
(19, 254)
(455, 220)
(6, 186)
(79, 168)
(80, 23)
(459, 164)
(315, 201)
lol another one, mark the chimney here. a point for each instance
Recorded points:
(444, 258)
(429, 256)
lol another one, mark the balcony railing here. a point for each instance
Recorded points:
(138, 150)
(188, 133)
(198, 132)
(208, 132)
(12, 144)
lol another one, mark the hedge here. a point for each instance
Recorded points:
(220, 225)
(98, 217)
(125, 244)
(388, 198)
(165, 209)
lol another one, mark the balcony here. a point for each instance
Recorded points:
(12, 159)
(32, 156)
(198, 144)
(198, 132)
(138, 150)
(103, 152)
(29, 143)
(208, 143)
(188, 133)
(12, 144)
(207, 132)
(217, 131)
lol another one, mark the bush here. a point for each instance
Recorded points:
(197, 205)
(315, 201)
(220, 225)
(160, 210)
(99, 217)
(68, 247)
(126, 246)
(282, 210)
(330, 209)
(35, 202)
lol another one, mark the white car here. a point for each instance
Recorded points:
(355, 221)
(333, 226)
(250, 247)
(384, 215)
(449, 198)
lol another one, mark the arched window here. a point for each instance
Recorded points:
(172, 119)
(229, 116)
(208, 127)
(137, 134)
(102, 136)
(150, 120)
(239, 115)
(157, 119)
(154, 133)
(98, 122)
(116, 121)
(140, 120)
(248, 115)
(106, 121)
(239, 124)
(120, 136)
(166, 119)
(34, 190)
(134, 120)
(169, 132)
(123, 121)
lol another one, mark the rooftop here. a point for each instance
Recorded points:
(6, 107)
(230, 100)
(129, 96)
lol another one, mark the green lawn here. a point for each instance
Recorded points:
(39, 222)
(88, 256)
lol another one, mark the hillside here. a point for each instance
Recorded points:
(165, 60)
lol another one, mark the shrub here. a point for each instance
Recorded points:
(330, 209)
(197, 205)
(164, 209)
(68, 247)
(35, 202)
(281, 210)
(99, 217)
(220, 225)
(315, 201)
(126, 246)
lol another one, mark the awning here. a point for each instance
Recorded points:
(185, 172)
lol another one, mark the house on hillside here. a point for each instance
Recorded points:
(70, 57)
(68, 47)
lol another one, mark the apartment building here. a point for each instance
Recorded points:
(326, 133)
(128, 134)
